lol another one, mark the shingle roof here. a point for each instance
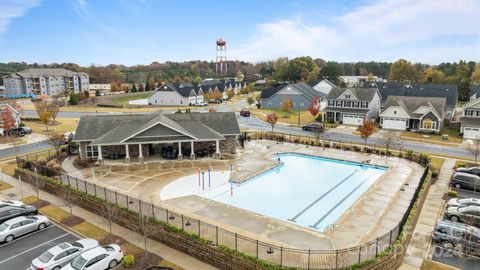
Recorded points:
(303, 88)
(112, 129)
(267, 93)
(412, 104)
(475, 89)
(363, 94)
(37, 72)
(447, 91)
(184, 91)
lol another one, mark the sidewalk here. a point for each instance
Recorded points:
(418, 247)
(161, 250)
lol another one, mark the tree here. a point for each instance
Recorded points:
(370, 77)
(110, 210)
(475, 77)
(73, 98)
(134, 89)
(287, 105)
(473, 146)
(250, 101)
(117, 75)
(432, 75)
(462, 79)
(366, 129)
(402, 71)
(69, 200)
(141, 88)
(147, 87)
(53, 109)
(272, 119)
(56, 140)
(216, 94)
(43, 111)
(314, 107)
(145, 228)
(212, 109)
(7, 120)
(230, 93)
(332, 72)
(390, 138)
(198, 79)
(97, 93)
(116, 86)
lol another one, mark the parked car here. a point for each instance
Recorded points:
(465, 181)
(464, 214)
(318, 127)
(201, 104)
(9, 212)
(214, 101)
(245, 113)
(15, 227)
(471, 170)
(463, 202)
(4, 203)
(158, 268)
(27, 130)
(99, 258)
(60, 255)
(18, 132)
(453, 235)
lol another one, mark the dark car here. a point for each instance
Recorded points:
(465, 181)
(245, 113)
(318, 127)
(471, 170)
(158, 268)
(9, 212)
(453, 235)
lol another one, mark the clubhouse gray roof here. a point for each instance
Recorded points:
(118, 129)
(362, 94)
(45, 72)
(303, 88)
(411, 104)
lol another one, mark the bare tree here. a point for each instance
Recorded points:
(474, 148)
(390, 139)
(53, 109)
(36, 183)
(56, 140)
(43, 112)
(146, 229)
(110, 210)
(69, 200)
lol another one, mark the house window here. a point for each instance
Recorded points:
(427, 124)
(347, 96)
(355, 104)
(155, 101)
(92, 151)
(364, 105)
(394, 112)
(348, 104)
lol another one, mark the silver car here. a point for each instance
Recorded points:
(11, 203)
(464, 214)
(18, 226)
(463, 202)
(99, 258)
(60, 255)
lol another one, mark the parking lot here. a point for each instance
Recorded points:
(19, 253)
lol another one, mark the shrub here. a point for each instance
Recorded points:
(435, 173)
(326, 145)
(74, 98)
(42, 161)
(452, 193)
(128, 261)
(52, 162)
(461, 165)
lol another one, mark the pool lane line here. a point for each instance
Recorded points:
(319, 198)
(315, 226)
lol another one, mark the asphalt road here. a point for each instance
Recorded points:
(463, 261)
(19, 253)
(463, 193)
(23, 149)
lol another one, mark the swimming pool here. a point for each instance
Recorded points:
(309, 191)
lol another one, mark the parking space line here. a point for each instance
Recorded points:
(23, 236)
(37, 246)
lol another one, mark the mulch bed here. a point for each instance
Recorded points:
(141, 262)
(113, 239)
(72, 221)
(40, 203)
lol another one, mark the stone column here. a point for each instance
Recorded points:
(180, 156)
(192, 151)
(140, 153)
(100, 157)
(127, 154)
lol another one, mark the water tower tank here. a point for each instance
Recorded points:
(221, 42)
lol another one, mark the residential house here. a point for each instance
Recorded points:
(324, 86)
(357, 81)
(447, 91)
(470, 120)
(102, 88)
(176, 95)
(45, 81)
(301, 94)
(140, 136)
(351, 106)
(474, 91)
(425, 114)
(15, 115)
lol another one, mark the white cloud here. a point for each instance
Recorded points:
(419, 30)
(80, 7)
(11, 9)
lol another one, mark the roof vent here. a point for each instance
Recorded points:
(164, 87)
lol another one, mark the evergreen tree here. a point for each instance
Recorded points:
(134, 88)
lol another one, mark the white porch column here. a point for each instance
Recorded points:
(180, 156)
(217, 144)
(192, 151)
(140, 153)
(100, 157)
(127, 154)
(80, 151)
(334, 117)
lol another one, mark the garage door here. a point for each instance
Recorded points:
(471, 133)
(356, 120)
(394, 123)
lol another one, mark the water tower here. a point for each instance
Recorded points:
(221, 60)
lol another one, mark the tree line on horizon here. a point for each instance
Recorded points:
(305, 69)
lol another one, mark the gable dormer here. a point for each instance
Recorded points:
(347, 95)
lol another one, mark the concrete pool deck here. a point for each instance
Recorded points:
(378, 211)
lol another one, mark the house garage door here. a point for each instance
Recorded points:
(471, 133)
(394, 123)
(356, 120)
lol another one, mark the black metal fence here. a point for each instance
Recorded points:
(299, 258)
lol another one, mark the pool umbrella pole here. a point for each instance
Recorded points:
(203, 180)
(208, 177)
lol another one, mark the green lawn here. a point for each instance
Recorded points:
(124, 99)
(437, 162)
(453, 135)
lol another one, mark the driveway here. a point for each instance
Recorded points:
(344, 129)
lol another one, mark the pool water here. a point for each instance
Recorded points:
(309, 191)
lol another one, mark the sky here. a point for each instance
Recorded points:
(131, 32)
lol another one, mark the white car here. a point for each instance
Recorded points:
(18, 226)
(60, 255)
(99, 258)
(463, 202)
(11, 203)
